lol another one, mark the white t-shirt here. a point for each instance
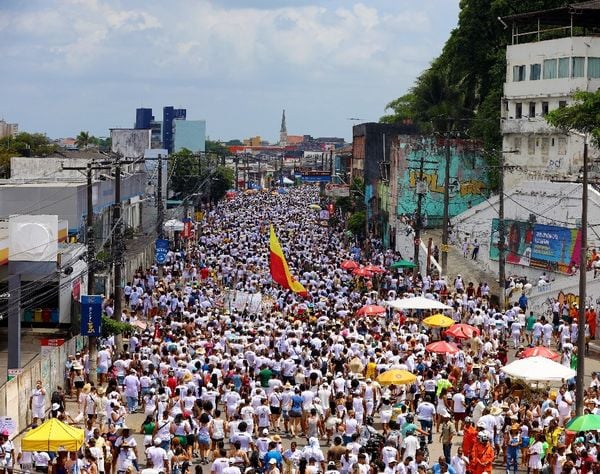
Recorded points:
(410, 444)
(425, 411)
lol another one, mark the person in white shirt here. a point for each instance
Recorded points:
(37, 402)
(157, 456)
(425, 413)
(132, 390)
(459, 461)
(410, 444)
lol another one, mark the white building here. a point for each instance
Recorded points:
(540, 77)
(8, 129)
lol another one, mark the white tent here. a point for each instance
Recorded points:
(173, 225)
(538, 369)
(418, 302)
(287, 181)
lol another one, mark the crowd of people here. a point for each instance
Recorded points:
(234, 373)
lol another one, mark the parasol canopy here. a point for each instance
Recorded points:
(540, 351)
(370, 310)
(375, 269)
(536, 369)
(462, 331)
(396, 377)
(53, 435)
(418, 302)
(316, 207)
(349, 265)
(403, 264)
(584, 423)
(362, 272)
(442, 347)
(438, 321)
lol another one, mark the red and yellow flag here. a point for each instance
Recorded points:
(280, 272)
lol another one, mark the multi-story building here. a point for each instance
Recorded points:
(190, 134)
(169, 115)
(542, 75)
(8, 129)
(143, 118)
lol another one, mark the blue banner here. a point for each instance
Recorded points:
(91, 315)
(161, 250)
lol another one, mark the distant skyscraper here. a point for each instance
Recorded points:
(283, 131)
(170, 114)
(143, 117)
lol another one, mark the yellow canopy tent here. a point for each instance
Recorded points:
(53, 435)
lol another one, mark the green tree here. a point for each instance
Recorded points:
(23, 144)
(402, 110)
(185, 170)
(220, 181)
(83, 140)
(357, 223)
(583, 115)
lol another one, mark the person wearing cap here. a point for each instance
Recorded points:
(482, 455)
(7, 452)
(447, 432)
(157, 456)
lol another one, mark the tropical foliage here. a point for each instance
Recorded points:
(582, 116)
(23, 144)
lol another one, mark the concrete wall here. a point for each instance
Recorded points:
(550, 202)
(468, 177)
(14, 395)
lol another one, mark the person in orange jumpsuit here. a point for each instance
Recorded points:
(590, 317)
(469, 436)
(482, 455)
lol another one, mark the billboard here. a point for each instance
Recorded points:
(130, 142)
(546, 247)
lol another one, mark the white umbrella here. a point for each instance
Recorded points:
(538, 369)
(173, 225)
(418, 302)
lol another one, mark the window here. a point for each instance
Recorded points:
(531, 109)
(562, 103)
(578, 67)
(518, 110)
(517, 144)
(535, 72)
(562, 146)
(518, 73)
(531, 145)
(563, 68)
(593, 68)
(544, 109)
(550, 66)
(545, 146)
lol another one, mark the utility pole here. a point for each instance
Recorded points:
(446, 217)
(501, 236)
(582, 285)
(236, 161)
(421, 188)
(90, 240)
(281, 170)
(160, 210)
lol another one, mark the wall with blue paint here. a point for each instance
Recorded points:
(469, 183)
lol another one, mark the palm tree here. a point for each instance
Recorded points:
(83, 140)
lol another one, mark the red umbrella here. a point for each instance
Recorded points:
(349, 265)
(362, 272)
(540, 351)
(442, 347)
(375, 269)
(462, 331)
(370, 310)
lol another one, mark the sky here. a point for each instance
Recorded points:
(72, 65)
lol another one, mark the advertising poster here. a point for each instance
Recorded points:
(540, 246)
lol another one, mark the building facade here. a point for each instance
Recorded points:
(143, 118)
(190, 134)
(542, 76)
(8, 129)
(169, 115)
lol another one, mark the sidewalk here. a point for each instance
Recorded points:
(468, 269)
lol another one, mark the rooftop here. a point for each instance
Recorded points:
(574, 19)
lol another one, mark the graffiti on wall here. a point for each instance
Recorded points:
(468, 178)
(457, 188)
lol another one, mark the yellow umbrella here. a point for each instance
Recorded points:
(396, 377)
(53, 435)
(438, 321)
(316, 207)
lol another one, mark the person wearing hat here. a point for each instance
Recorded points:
(482, 455)
(332, 468)
(7, 452)
(469, 436)
(513, 445)
(127, 440)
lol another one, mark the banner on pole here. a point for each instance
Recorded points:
(91, 315)
(161, 251)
